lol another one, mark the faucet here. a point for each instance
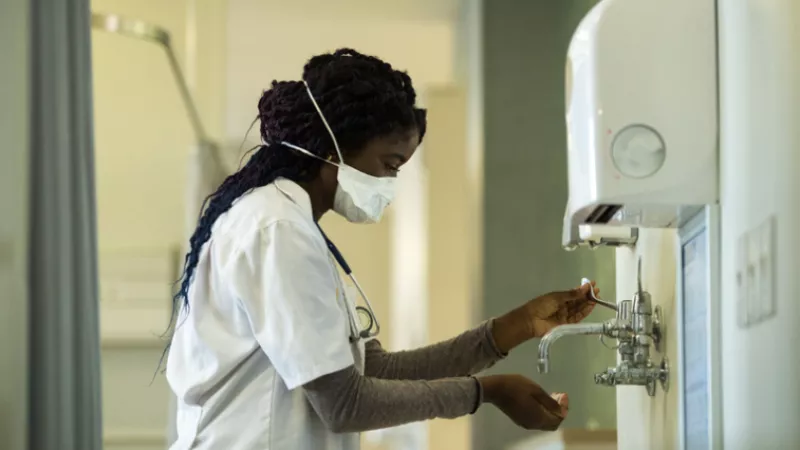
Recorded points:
(636, 327)
(561, 331)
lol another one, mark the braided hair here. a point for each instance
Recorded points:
(361, 97)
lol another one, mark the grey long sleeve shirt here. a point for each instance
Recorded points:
(408, 386)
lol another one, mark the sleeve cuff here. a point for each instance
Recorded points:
(478, 395)
(488, 338)
(329, 366)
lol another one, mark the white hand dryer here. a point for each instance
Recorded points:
(641, 111)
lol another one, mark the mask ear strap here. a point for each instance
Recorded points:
(325, 122)
(307, 153)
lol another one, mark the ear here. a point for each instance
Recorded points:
(328, 173)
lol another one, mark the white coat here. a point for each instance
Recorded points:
(267, 313)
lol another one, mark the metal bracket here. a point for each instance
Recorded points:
(657, 332)
(661, 376)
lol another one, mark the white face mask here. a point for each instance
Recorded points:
(360, 197)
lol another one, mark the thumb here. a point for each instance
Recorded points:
(579, 293)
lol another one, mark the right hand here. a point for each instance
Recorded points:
(525, 402)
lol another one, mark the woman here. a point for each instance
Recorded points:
(267, 353)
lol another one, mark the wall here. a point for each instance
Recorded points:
(450, 223)
(525, 192)
(268, 40)
(143, 139)
(142, 132)
(760, 143)
(14, 145)
(644, 421)
(759, 73)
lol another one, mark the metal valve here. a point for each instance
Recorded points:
(636, 327)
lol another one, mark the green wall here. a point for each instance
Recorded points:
(524, 46)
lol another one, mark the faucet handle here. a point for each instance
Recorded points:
(594, 298)
(624, 311)
(603, 341)
(639, 276)
(606, 377)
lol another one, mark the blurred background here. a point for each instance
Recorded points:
(475, 230)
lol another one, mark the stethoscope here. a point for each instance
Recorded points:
(372, 321)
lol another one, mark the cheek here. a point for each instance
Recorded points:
(368, 164)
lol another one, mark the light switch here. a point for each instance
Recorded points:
(755, 274)
(742, 286)
(767, 265)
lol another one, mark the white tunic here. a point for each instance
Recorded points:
(268, 313)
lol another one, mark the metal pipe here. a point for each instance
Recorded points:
(137, 29)
(561, 331)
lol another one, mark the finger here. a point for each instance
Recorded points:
(544, 399)
(579, 293)
(582, 312)
(550, 421)
(576, 306)
(591, 290)
(563, 401)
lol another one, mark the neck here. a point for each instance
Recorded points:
(320, 203)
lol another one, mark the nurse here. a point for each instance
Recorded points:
(267, 352)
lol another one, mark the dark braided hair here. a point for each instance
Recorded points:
(362, 98)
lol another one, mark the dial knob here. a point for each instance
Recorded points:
(638, 151)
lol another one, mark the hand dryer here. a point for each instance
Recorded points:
(641, 112)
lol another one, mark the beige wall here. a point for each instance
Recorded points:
(268, 40)
(14, 144)
(644, 421)
(142, 134)
(451, 229)
(142, 140)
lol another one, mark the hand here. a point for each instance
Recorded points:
(525, 402)
(559, 308)
(542, 314)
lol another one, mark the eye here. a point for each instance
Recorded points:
(392, 169)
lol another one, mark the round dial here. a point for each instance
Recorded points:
(638, 151)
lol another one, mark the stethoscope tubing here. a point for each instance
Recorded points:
(368, 311)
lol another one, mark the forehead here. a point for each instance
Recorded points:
(401, 144)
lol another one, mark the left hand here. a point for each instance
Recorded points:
(540, 315)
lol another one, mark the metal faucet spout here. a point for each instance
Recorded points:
(561, 331)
